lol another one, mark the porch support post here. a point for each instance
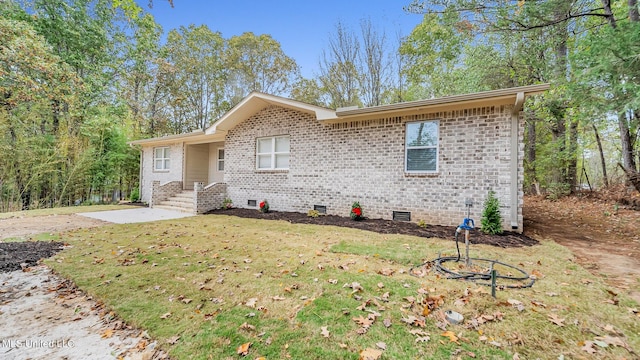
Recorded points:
(515, 188)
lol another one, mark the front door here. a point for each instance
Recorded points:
(216, 163)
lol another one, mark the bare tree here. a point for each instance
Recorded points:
(374, 65)
(339, 76)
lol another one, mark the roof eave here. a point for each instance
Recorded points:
(496, 96)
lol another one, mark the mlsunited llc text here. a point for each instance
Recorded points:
(36, 343)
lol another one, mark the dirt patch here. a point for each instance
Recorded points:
(24, 227)
(604, 236)
(18, 255)
(46, 317)
(506, 240)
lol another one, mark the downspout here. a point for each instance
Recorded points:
(515, 188)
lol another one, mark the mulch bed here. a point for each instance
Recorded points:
(13, 254)
(506, 240)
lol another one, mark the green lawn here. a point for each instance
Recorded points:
(219, 282)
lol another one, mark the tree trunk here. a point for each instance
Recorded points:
(605, 178)
(633, 10)
(606, 4)
(530, 155)
(628, 160)
(572, 155)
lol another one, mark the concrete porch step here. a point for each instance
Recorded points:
(177, 202)
(174, 208)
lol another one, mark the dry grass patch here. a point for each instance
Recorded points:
(63, 211)
(319, 292)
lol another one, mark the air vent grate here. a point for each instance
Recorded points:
(252, 203)
(320, 208)
(401, 216)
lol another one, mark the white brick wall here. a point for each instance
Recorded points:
(363, 161)
(149, 175)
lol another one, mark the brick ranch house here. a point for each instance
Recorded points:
(416, 160)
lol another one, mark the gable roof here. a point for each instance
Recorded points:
(256, 101)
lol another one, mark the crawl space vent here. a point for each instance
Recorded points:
(401, 216)
(320, 208)
(251, 203)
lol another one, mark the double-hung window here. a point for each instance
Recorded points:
(161, 161)
(220, 159)
(421, 147)
(272, 153)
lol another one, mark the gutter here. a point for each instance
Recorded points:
(505, 93)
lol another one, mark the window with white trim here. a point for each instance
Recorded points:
(421, 147)
(220, 159)
(272, 153)
(161, 161)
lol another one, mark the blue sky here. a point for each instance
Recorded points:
(302, 27)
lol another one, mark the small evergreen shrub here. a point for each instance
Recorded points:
(313, 213)
(227, 203)
(356, 212)
(491, 218)
(264, 206)
(135, 195)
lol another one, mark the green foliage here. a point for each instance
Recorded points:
(313, 213)
(491, 219)
(135, 194)
(356, 212)
(557, 190)
(421, 223)
(227, 203)
(264, 206)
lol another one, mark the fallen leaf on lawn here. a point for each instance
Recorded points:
(386, 272)
(537, 274)
(251, 302)
(451, 335)
(364, 305)
(412, 320)
(556, 320)
(422, 339)
(381, 345)
(174, 339)
(516, 356)
(538, 303)
(165, 316)
(362, 321)
(387, 322)
(186, 301)
(586, 281)
(247, 327)
(278, 298)
(243, 349)
(610, 329)
(516, 304)
(355, 286)
(615, 341)
(495, 343)
(588, 347)
(107, 334)
(380, 285)
(370, 354)
(332, 281)
(325, 331)
(418, 332)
